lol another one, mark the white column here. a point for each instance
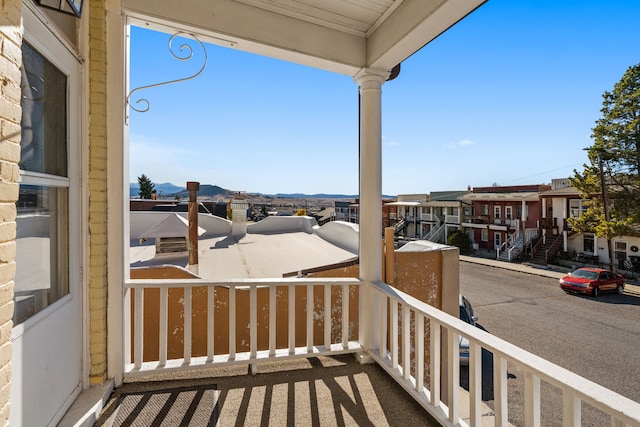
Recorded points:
(370, 236)
(118, 331)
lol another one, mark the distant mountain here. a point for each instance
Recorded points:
(164, 189)
(323, 196)
(206, 190)
(315, 196)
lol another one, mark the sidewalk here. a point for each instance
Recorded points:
(553, 271)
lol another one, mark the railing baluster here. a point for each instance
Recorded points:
(571, 410)
(531, 400)
(163, 325)
(327, 317)
(393, 322)
(345, 316)
(500, 390)
(138, 335)
(406, 342)
(419, 337)
(475, 384)
(453, 375)
(187, 324)
(434, 362)
(128, 322)
(253, 321)
(232, 322)
(211, 338)
(309, 319)
(272, 321)
(383, 325)
(292, 319)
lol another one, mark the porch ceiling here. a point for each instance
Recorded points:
(336, 35)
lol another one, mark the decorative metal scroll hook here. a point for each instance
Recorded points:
(185, 53)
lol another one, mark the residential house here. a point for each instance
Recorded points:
(559, 204)
(341, 210)
(67, 295)
(407, 215)
(443, 214)
(350, 212)
(504, 219)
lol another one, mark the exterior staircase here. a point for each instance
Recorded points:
(546, 249)
(511, 248)
(436, 234)
(399, 226)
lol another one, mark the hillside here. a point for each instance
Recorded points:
(168, 190)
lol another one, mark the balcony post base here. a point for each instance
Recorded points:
(364, 358)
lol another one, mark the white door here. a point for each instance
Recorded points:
(497, 239)
(47, 338)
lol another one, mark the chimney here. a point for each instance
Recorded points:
(239, 207)
(192, 240)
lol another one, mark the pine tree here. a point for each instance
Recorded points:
(147, 188)
(611, 182)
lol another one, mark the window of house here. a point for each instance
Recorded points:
(577, 207)
(42, 223)
(588, 243)
(496, 211)
(485, 210)
(484, 235)
(508, 212)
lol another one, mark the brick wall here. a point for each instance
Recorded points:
(10, 114)
(97, 190)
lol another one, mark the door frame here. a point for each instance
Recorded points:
(47, 331)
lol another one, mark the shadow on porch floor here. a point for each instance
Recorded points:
(318, 391)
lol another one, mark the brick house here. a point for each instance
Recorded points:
(498, 213)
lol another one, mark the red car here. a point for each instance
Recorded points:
(592, 281)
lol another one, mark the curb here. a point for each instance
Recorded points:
(539, 270)
(632, 289)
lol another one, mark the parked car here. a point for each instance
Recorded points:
(466, 314)
(592, 281)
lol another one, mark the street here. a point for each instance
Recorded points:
(598, 339)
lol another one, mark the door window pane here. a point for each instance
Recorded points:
(42, 249)
(42, 222)
(44, 115)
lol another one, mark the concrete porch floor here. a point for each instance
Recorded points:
(318, 391)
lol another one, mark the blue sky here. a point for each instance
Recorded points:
(509, 96)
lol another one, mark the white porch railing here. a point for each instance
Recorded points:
(138, 366)
(416, 332)
(530, 234)
(407, 323)
(452, 219)
(427, 217)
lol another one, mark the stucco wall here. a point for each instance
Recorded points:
(10, 115)
(175, 342)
